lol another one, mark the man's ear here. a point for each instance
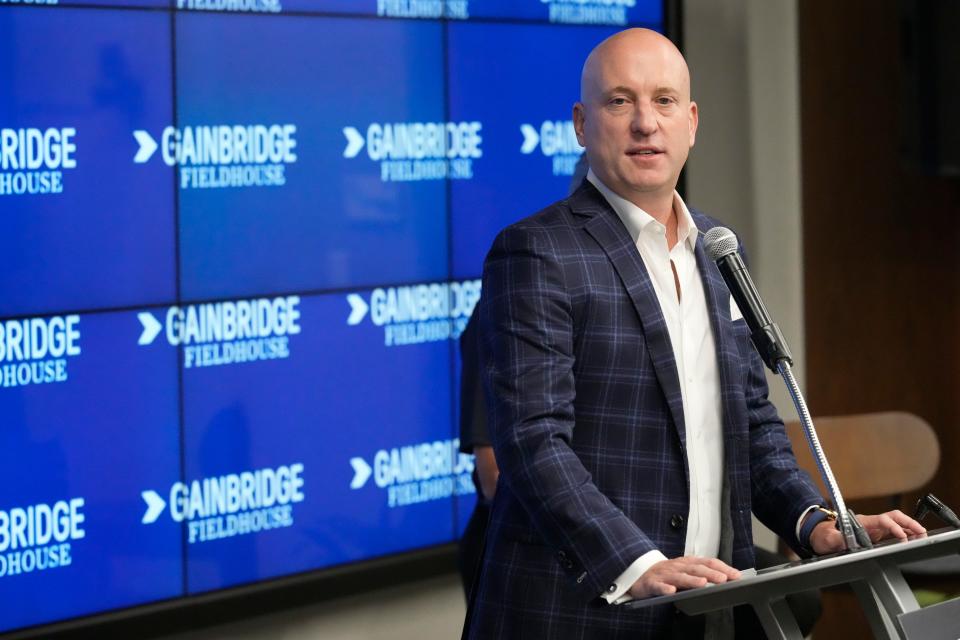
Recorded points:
(694, 121)
(579, 117)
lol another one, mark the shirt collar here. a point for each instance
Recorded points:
(636, 220)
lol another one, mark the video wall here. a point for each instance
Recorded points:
(240, 241)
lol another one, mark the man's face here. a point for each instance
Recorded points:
(636, 119)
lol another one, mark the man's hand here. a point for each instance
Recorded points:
(667, 576)
(825, 538)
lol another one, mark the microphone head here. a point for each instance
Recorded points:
(720, 242)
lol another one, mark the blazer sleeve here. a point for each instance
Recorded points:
(781, 492)
(528, 356)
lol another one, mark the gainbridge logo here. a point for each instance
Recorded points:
(32, 161)
(38, 537)
(589, 11)
(411, 151)
(415, 473)
(35, 350)
(556, 140)
(450, 9)
(223, 156)
(235, 504)
(418, 313)
(249, 6)
(231, 332)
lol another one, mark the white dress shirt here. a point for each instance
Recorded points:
(694, 351)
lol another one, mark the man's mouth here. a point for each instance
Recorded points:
(643, 152)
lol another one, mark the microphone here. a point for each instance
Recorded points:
(721, 245)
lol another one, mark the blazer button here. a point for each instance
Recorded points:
(676, 521)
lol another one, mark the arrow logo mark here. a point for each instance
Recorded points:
(150, 328)
(361, 472)
(147, 146)
(155, 506)
(358, 309)
(530, 138)
(354, 142)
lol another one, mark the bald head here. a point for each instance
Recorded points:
(635, 117)
(643, 47)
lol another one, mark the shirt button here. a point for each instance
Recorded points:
(676, 521)
(612, 588)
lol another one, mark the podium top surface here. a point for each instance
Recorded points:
(815, 572)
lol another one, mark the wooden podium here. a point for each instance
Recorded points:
(874, 574)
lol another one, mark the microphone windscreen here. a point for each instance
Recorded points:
(719, 242)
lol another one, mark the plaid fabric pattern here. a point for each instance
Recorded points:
(587, 426)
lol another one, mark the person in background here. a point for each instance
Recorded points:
(475, 439)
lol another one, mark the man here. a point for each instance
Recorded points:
(629, 409)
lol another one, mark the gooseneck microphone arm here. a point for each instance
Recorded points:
(844, 517)
(721, 245)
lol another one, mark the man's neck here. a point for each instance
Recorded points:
(659, 206)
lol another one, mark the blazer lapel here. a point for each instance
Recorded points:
(718, 306)
(606, 228)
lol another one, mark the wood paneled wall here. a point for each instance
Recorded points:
(881, 242)
(881, 246)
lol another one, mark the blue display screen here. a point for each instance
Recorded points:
(157, 4)
(336, 190)
(347, 409)
(620, 13)
(241, 240)
(90, 419)
(526, 107)
(84, 226)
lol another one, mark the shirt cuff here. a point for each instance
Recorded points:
(618, 592)
(800, 521)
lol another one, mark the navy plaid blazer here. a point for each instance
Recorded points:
(588, 430)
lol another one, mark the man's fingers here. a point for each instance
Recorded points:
(704, 571)
(668, 576)
(684, 580)
(715, 568)
(690, 572)
(662, 589)
(889, 527)
(666, 584)
(893, 524)
(721, 566)
(908, 523)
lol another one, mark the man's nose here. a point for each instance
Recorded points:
(644, 119)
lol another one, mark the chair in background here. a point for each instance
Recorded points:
(872, 455)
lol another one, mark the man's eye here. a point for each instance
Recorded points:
(618, 101)
(665, 100)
